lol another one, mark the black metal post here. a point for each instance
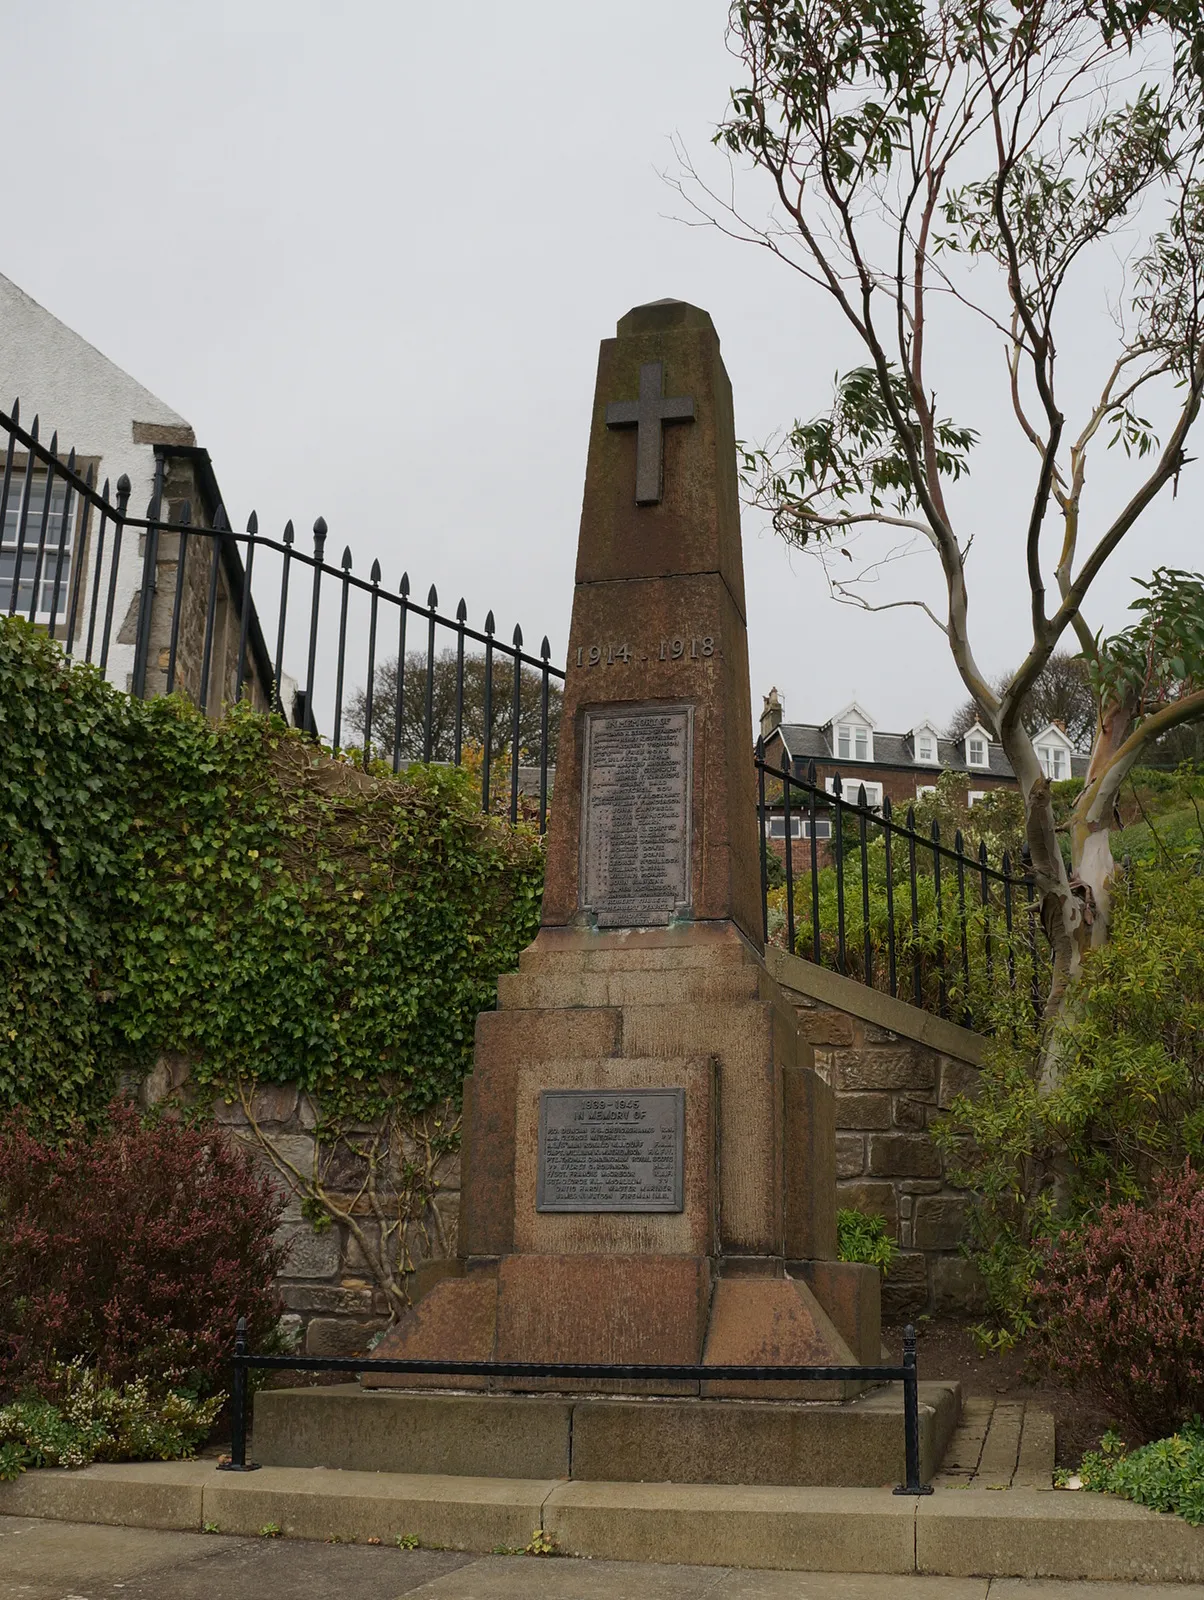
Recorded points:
(219, 524)
(914, 1483)
(545, 650)
(516, 706)
(399, 702)
(887, 829)
(278, 669)
(22, 520)
(816, 951)
(370, 691)
(43, 527)
(315, 605)
(238, 1406)
(863, 822)
(177, 609)
(150, 577)
(428, 720)
(244, 606)
(763, 830)
(789, 844)
(341, 663)
(487, 734)
(458, 732)
(838, 831)
(123, 500)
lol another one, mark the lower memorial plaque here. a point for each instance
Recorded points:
(611, 1150)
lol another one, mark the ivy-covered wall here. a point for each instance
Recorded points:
(227, 890)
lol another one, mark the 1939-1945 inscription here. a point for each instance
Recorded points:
(635, 834)
(610, 1150)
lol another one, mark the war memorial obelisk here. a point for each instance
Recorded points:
(649, 1154)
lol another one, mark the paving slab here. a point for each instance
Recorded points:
(815, 1530)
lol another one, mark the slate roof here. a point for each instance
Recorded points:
(809, 742)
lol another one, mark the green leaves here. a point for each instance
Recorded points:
(230, 892)
(855, 450)
(1160, 657)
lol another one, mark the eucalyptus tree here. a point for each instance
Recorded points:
(938, 161)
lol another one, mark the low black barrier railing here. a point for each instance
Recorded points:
(243, 1361)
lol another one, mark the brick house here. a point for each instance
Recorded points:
(902, 766)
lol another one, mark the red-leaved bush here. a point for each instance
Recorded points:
(1119, 1306)
(137, 1248)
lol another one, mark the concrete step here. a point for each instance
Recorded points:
(1015, 1533)
(602, 1438)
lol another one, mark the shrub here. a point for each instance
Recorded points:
(864, 1238)
(1129, 1103)
(1118, 1306)
(1167, 1475)
(98, 1421)
(134, 1249)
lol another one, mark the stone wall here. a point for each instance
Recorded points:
(332, 1304)
(894, 1069)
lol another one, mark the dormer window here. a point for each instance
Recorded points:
(1054, 762)
(852, 741)
(978, 747)
(925, 746)
(1053, 752)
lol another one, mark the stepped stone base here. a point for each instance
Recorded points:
(858, 1443)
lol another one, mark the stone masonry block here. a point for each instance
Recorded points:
(903, 1155)
(879, 1068)
(909, 1113)
(826, 1027)
(957, 1286)
(905, 1286)
(331, 1299)
(940, 1222)
(957, 1077)
(863, 1111)
(340, 1336)
(850, 1155)
(873, 1200)
(310, 1254)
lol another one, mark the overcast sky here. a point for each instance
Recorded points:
(369, 248)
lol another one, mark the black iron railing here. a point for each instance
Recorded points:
(906, 1372)
(191, 605)
(897, 908)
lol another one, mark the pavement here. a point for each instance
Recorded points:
(46, 1560)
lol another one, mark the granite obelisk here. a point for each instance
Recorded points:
(649, 1154)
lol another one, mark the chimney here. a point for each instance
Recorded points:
(771, 713)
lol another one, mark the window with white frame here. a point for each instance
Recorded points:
(976, 750)
(976, 795)
(800, 828)
(1055, 761)
(925, 746)
(850, 789)
(853, 741)
(924, 788)
(52, 572)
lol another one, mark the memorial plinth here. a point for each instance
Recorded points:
(649, 1154)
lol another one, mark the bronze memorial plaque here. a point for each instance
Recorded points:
(635, 834)
(611, 1150)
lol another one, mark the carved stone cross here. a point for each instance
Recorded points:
(647, 416)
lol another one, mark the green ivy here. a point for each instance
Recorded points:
(229, 891)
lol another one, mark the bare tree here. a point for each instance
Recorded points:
(934, 162)
(1062, 692)
(451, 689)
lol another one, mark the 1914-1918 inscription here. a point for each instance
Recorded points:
(610, 1150)
(635, 835)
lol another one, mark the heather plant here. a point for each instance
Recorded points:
(131, 1249)
(1118, 1306)
(95, 1420)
